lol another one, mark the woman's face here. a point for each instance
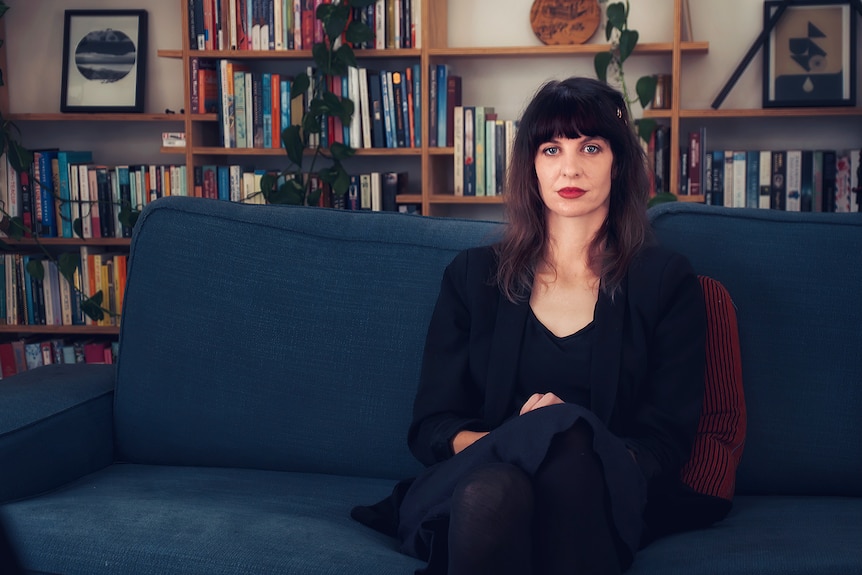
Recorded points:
(575, 177)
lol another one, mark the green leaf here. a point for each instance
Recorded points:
(628, 41)
(92, 306)
(358, 32)
(661, 198)
(341, 152)
(78, 227)
(291, 139)
(20, 157)
(289, 192)
(17, 229)
(320, 53)
(314, 197)
(609, 30)
(36, 269)
(601, 61)
(342, 181)
(346, 57)
(616, 14)
(68, 264)
(310, 124)
(335, 21)
(300, 85)
(328, 175)
(128, 217)
(267, 185)
(646, 126)
(645, 89)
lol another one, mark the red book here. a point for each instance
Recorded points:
(7, 360)
(96, 351)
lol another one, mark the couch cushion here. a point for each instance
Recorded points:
(795, 281)
(721, 430)
(766, 535)
(278, 337)
(142, 520)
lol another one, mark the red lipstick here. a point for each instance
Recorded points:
(571, 193)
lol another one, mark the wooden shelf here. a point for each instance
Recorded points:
(378, 152)
(55, 330)
(70, 242)
(773, 112)
(452, 199)
(297, 54)
(645, 49)
(98, 117)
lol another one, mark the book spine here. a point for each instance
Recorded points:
(752, 179)
(765, 179)
(793, 186)
(458, 163)
(469, 151)
(779, 180)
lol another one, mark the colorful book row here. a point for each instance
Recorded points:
(292, 25)
(23, 355)
(26, 299)
(483, 148)
(63, 187)
(791, 180)
(254, 107)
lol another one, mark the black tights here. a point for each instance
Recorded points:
(502, 521)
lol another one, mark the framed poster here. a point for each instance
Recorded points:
(810, 55)
(104, 60)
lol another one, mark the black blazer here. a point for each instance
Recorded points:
(648, 359)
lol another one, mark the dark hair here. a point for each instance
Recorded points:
(573, 108)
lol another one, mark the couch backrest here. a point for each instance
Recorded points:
(278, 337)
(796, 280)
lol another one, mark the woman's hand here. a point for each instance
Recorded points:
(464, 439)
(538, 400)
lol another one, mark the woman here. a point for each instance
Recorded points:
(563, 369)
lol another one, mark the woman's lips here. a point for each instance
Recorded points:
(571, 193)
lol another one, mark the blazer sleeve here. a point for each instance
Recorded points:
(665, 415)
(447, 400)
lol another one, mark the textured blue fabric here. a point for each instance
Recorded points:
(55, 426)
(766, 535)
(146, 520)
(795, 279)
(279, 337)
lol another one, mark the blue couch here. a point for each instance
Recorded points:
(268, 360)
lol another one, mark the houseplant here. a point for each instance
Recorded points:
(332, 58)
(623, 41)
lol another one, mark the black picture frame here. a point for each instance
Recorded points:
(809, 58)
(104, 61)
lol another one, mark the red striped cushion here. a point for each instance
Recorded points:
(721, 431)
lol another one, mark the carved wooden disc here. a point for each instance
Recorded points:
(565, 21)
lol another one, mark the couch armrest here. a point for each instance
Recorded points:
(56, 424)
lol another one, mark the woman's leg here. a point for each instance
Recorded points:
(490, 522)
(572, 525)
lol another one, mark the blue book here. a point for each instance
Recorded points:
(752, 178)
(405, 111)
(43, 184)
(417, 106)
(387, 102)
(442, 73)
(223, 182)
(64, 159)
(266, 84)
(284, 87)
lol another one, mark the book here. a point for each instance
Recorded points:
(717, 178)
(392, 184)
(764, 179)
(64, 160)
(779, 175)
(469, 151)
(453, 98)
(458, 155)
(479, 136)
(752, 178)
(793, 180)
(740, 171)
(806, 185)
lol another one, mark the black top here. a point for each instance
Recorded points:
(560, 365)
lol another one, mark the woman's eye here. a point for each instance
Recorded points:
(551, 151)
(592, 149)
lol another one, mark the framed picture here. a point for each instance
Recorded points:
(810, 55)
(104, 59)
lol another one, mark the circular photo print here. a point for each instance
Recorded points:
(105, 55)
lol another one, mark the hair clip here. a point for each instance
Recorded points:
(619, 114)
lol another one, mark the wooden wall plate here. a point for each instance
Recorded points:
(565, 21)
